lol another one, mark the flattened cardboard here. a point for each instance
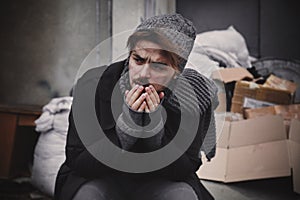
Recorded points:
(265, 160)
(251, 131)
(228, 75)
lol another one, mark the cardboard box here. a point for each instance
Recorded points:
(287, 111)
(254, 103)
(259, 112)
(249, 132)
(294, 148)
(222, 102)
(294, 133)
(294, 152)
(279, 83)
(252, 90)
(265, 160)
(228, 75)
(249, 149)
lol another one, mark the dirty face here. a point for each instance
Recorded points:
(148, 66)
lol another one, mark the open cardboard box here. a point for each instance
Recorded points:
(294, 150)
(252, 131)
(228, 76)
(249, 89)
(279, 83)
(287, 111)
(249, 149)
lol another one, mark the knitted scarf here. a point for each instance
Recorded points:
(205, 100)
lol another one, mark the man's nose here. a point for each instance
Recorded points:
(145, 71)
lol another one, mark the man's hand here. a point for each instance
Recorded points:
(152, 98)
(140, 101)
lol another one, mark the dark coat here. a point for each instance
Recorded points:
(80, 166)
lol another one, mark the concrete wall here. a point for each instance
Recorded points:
(279, 29)
(128, 14)
(44, 42)
(220, 14)
(271, 27)
(42, 45)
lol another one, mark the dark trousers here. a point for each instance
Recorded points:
(111, 188)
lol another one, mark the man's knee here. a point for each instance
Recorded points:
(178, 191)
(168, 191)
(94, 190)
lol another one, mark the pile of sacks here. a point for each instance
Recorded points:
(49, 152)
(219, 48)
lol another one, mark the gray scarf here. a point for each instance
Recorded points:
(205, 101)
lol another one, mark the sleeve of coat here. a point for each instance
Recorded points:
(132, 124)
(189, 162)
(79, 158)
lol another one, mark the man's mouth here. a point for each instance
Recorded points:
(143, 84)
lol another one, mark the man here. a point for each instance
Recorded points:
(154, 112)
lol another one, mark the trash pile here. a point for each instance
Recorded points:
(260, 133)
(260, 137)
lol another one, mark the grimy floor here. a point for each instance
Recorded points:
(265, 189)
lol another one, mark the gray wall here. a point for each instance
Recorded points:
(43, 44)
(128, 14)
(219, 14)
(271, 27)
(280, 28)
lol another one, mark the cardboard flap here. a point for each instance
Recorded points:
(222, 141)
(294, 148)
(251, 90)
(257, 130)
(265, 160)
(258, 161)
(231, 74)
(294, 133)
(279, 83)
(216, 168)
(288, 111)
(259, 112)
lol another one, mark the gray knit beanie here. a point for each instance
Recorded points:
(177, 29)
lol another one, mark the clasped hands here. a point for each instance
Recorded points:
(143, 98)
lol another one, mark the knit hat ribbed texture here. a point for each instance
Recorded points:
(178, 30)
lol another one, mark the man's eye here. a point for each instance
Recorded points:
(139, 61)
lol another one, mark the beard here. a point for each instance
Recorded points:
(145, 82)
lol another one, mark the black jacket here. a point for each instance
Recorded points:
(80, 166)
